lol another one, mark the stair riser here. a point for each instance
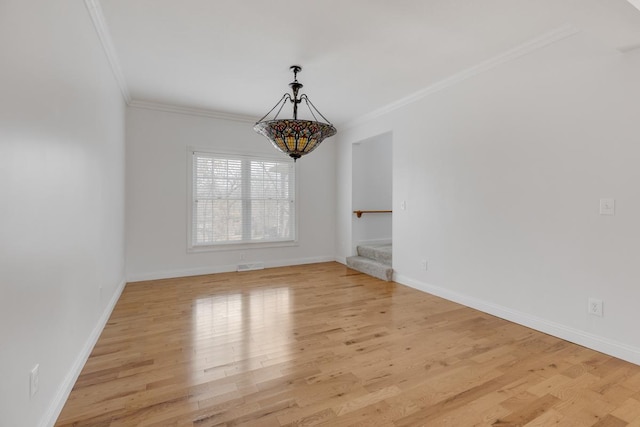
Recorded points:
(375, 254)
(370, 267)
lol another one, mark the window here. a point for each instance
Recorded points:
(241, 199)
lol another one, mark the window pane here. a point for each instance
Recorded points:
(241, 199)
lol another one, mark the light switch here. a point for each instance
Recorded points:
(607, 207)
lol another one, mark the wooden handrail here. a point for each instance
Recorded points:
(359, 213)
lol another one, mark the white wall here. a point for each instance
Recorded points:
(502, 174)
(61, 201)
(372, 189)
(157, 181)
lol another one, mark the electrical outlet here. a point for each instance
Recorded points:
(34, 380)
(607, 207)
(424, 264)
(595, 307)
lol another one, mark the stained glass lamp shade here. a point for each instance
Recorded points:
(292, 136)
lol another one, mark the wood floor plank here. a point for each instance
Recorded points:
(323, 345)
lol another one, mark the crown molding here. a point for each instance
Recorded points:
(148, 105)
(635, 3)
(539, 42)
(100, 25)
(97, 17)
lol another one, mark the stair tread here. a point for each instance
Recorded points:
(369, 260)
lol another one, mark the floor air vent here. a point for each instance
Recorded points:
(251, 266)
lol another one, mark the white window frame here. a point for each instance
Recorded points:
(226, 246)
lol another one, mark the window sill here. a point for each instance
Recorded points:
(240, 246)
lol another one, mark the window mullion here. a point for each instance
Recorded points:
(246, 200)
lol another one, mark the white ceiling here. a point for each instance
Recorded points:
(358, 56)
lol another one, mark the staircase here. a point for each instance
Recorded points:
(374, 260)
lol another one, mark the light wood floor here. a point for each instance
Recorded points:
(324, 345)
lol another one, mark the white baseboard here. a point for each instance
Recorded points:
(197, 271)
(299, 261)
(577, 336)
(170, 274)
(341, 259)
(50, 417)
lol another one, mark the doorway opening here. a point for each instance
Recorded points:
(371, 200)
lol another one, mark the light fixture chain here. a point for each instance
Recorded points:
(282, 104)
(309, 107)
(314, 107)
(282, 100)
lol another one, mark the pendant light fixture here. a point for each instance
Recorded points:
(292, 136)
